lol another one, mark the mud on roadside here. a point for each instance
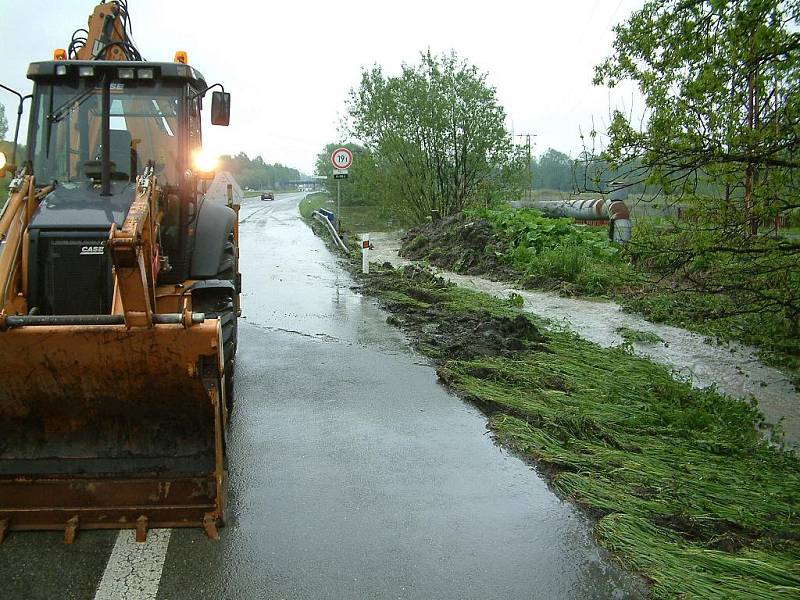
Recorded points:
(442, 330)
(458, 243)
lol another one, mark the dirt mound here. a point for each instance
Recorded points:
(457, 243)
(422, 302)
(484, 334)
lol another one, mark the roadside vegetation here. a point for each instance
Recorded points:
(356, 217)
(313, 202)
(432, 141)
(719, 139)
(685, 490)
(537, 252)
(523, 245)
(721, 81)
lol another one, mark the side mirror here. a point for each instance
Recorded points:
(220, 108)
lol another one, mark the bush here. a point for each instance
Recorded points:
(549, 252)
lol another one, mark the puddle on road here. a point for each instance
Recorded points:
(291, 282)
(350, 457)
(735, 369)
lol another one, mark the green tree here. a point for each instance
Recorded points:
(365, 184)
(437, 134)
(257, 174)
(720, 80)
(554, 170)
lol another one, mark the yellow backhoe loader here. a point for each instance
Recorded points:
(119, 296)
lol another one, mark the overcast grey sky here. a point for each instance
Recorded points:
(289, 65)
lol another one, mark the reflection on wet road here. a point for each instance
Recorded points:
(353, 474)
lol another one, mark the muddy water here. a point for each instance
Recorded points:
(733, 368)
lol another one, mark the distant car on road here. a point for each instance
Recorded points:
(268, 195)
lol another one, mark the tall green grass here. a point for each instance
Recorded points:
(312, 202)
(557, 253)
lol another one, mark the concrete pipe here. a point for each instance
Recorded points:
(614, 211)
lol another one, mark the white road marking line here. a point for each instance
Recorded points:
(133, 571)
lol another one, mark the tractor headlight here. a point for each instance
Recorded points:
(205, 164)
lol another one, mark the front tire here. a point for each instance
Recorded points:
(220, 303)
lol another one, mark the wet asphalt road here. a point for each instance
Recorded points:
(353, 474)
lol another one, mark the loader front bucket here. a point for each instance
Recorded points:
(107, 427)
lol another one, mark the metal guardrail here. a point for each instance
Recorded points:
(325, 218)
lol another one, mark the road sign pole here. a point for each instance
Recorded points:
(341, 159)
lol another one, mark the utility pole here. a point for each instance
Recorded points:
(529, 186)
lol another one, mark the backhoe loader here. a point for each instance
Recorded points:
(119, 297)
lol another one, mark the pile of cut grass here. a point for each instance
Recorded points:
(686, 490)
(635, 335)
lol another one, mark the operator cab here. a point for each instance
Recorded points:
(95, 127)
(152, 108)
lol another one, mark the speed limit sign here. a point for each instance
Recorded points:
(342, 158)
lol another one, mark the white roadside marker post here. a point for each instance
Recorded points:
(365, 253)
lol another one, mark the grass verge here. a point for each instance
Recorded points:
(368, 218)
(684, 489)
(312, 202)
(355, 218)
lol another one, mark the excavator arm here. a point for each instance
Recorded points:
(134, 254)
(107, 35)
